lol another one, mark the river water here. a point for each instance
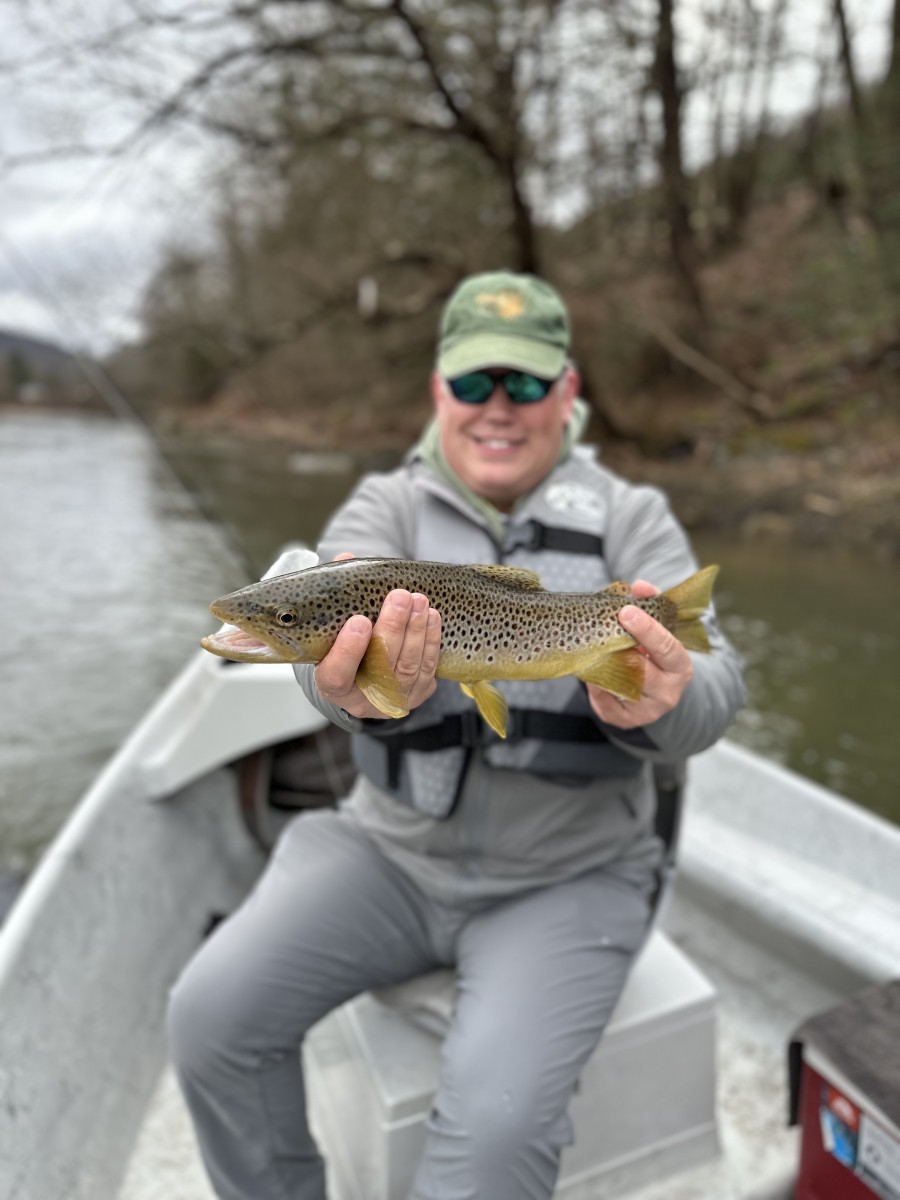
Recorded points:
(107, 566)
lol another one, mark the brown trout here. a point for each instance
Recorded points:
(497, 622)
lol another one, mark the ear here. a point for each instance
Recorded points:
(569, 385)
(437, 389)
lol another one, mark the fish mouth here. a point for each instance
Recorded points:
(240, 646)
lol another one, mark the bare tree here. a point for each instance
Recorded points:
(668, 87)
(763, 46)
(892, 77)
(272, 75)
(849, 66)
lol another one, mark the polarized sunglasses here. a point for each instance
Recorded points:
(522, 388)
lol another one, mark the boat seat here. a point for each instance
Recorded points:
(645, 1101)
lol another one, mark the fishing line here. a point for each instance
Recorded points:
(104, 387)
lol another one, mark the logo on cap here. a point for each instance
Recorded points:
(507, 305)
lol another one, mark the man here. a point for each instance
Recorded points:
(527, 864)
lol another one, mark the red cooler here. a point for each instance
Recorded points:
(845, 1094)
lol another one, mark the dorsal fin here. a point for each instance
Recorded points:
(514, 577)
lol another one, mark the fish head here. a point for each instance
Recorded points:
(285, 619)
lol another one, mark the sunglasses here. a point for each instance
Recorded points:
(478, 386)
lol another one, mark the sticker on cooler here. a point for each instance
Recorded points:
(878, 1160)
(839, 1121)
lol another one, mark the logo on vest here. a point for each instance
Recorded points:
(574, 498)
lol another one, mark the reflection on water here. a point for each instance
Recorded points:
(105, 573)
(259, 493)
(106, 570)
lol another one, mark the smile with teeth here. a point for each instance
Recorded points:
(496, 443)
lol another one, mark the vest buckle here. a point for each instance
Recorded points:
(527, 536)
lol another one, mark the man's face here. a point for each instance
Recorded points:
(500, 449)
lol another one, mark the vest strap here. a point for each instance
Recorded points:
(535, 536)
(467, 730)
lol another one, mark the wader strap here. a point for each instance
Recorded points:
(535, 536)
(467, 729)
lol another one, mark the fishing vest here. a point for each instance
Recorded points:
(422, 760)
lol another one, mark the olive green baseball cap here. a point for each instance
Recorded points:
(502, 319)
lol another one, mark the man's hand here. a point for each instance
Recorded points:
(411, 632)
(667, 669)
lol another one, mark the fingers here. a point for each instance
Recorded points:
(663, 647)
(426, 683)
(336, 674)
(667, 672)
(411, 632)
(412, 640)
(642, 590)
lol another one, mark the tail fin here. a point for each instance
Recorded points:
(691, 598)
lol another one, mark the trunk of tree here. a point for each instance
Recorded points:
(745, 165)
(524, 234)
(846, 48)
(674, 184)
(875, 149)
(891, 85)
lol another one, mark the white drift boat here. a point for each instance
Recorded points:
(786, 900)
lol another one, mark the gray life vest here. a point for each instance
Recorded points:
(422, 760)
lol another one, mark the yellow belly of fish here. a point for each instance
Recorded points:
(612, 664)
(546, 664)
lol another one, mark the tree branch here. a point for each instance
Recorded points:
(756, 403)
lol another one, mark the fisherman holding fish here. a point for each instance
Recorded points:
(508, 696)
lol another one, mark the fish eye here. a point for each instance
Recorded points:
(286, 616)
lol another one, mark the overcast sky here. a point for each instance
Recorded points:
(79, 238)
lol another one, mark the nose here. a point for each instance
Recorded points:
(498, 404)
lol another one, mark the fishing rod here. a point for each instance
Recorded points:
(118, 404)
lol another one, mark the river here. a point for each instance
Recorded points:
(107, 566)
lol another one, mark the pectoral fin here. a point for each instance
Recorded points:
(491, 704)
(621, 673)
(378, 683)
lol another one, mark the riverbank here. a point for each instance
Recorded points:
(837, 497)
(841, 488)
